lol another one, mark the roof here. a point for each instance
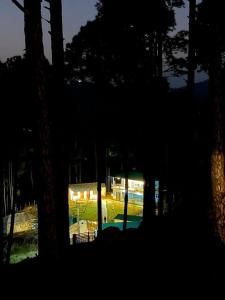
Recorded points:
(133, 175)
(120, 225)
(81, 187)
(130, 218)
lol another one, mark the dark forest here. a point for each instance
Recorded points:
(105, 168)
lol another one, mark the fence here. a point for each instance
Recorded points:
(85, 237)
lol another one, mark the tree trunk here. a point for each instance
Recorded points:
(126, 171)
(125, 202)
(107, 171)
(217, 156)
(60, 135)
(149, 198)
(1, 220)
(98, 179)
(48, 242)
(57, 41)
(12, 192)
(191, 49)
(191, 182)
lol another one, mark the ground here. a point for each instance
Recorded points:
(170, 258)
(25, 243)
(88, 209)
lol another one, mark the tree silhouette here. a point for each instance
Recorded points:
(211, 49)
(123, 48)
(59, 128)
(1, 224)
(14, 123)
(192, 47)
(44, 175)
(122, 45)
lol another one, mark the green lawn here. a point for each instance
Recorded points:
(23, 249)
(24, 246)
(88, 210)
(21, 252)
(115, 208)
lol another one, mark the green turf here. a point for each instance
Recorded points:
(88, 210)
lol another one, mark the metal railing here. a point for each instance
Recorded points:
(85, 237)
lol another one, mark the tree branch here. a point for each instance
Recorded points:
(19, 6)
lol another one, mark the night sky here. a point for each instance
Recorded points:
(75, 14)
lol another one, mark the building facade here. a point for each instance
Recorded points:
(135, 189)
(85, 191)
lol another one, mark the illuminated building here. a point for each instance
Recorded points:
(85, 191)
(135, 189)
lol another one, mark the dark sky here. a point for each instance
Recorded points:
(75, 14)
